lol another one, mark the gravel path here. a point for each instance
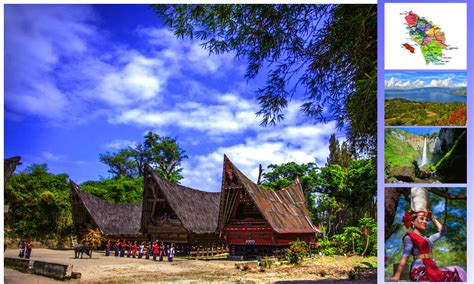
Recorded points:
(122, 269)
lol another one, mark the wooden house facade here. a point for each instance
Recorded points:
(258, 222)
(187, 217)
(115, 221)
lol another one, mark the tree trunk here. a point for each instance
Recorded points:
(392, 195)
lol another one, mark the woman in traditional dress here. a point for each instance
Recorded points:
(22, 249)
(107, 248)
(424, 267)
(171, 253)
(155, 250)
(122, 248)
(148, 250)
(129, 248)
(162, 251)
(141, 250)
(29, 247)
(134, 250)
(117, 247)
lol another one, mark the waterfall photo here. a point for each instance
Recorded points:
(425, 155)
(425, 98)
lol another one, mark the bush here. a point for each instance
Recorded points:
(326, 247)
(297, 251)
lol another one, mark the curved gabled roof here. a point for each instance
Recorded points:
(112, 219)
(284, 210)
(10, 166)
(197, 210)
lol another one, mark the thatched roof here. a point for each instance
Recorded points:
(197, 210)
(112, 219)
(10, 166)
(285, 210)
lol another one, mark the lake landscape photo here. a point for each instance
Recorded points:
(425, 99)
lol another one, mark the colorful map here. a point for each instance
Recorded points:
(425, 36)
(428, 36)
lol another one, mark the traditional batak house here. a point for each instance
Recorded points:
(258, 222)
(187, 217)
(9, 166)
(115, 221)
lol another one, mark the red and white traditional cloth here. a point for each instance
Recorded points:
(425, 269)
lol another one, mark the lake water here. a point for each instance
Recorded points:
(424, 95)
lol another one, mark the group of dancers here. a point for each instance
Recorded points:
(135, 249)
(25, 248)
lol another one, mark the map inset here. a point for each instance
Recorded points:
(429, 37)
(425, 36)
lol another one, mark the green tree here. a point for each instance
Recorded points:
(281, 176)
(164, 155)
(326, 54)
(118, 190)
(161, 153)
(368, 227)
(121, 164)
(338, 154)
(343, 196)
(39, 204)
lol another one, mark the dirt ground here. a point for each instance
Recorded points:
(118, 270)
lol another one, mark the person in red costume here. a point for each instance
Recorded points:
(424, 267)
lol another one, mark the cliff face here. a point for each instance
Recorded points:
(452, 166)
(415, 142)
(447, 137)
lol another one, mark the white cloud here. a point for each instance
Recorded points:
(304, 144)
(230, 114)
(394, 83)
(59, 68)
(187, 54)
(118, 144)
(41, 99)
(140, 79)
(441, 83)
(50, 156)
(33, 50)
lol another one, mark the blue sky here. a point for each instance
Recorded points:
(407, 80)
(420, 130)
(83, 80)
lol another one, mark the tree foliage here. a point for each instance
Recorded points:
(324, 54)
(338, 154)
(119, 190)
(281, 176)
(161, 153)
(39, 204)
(121, 164)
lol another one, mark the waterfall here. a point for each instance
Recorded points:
(424, 157)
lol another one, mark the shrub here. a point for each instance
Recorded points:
(327, 248)
(297, 251)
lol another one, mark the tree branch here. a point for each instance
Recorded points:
(446, 195)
